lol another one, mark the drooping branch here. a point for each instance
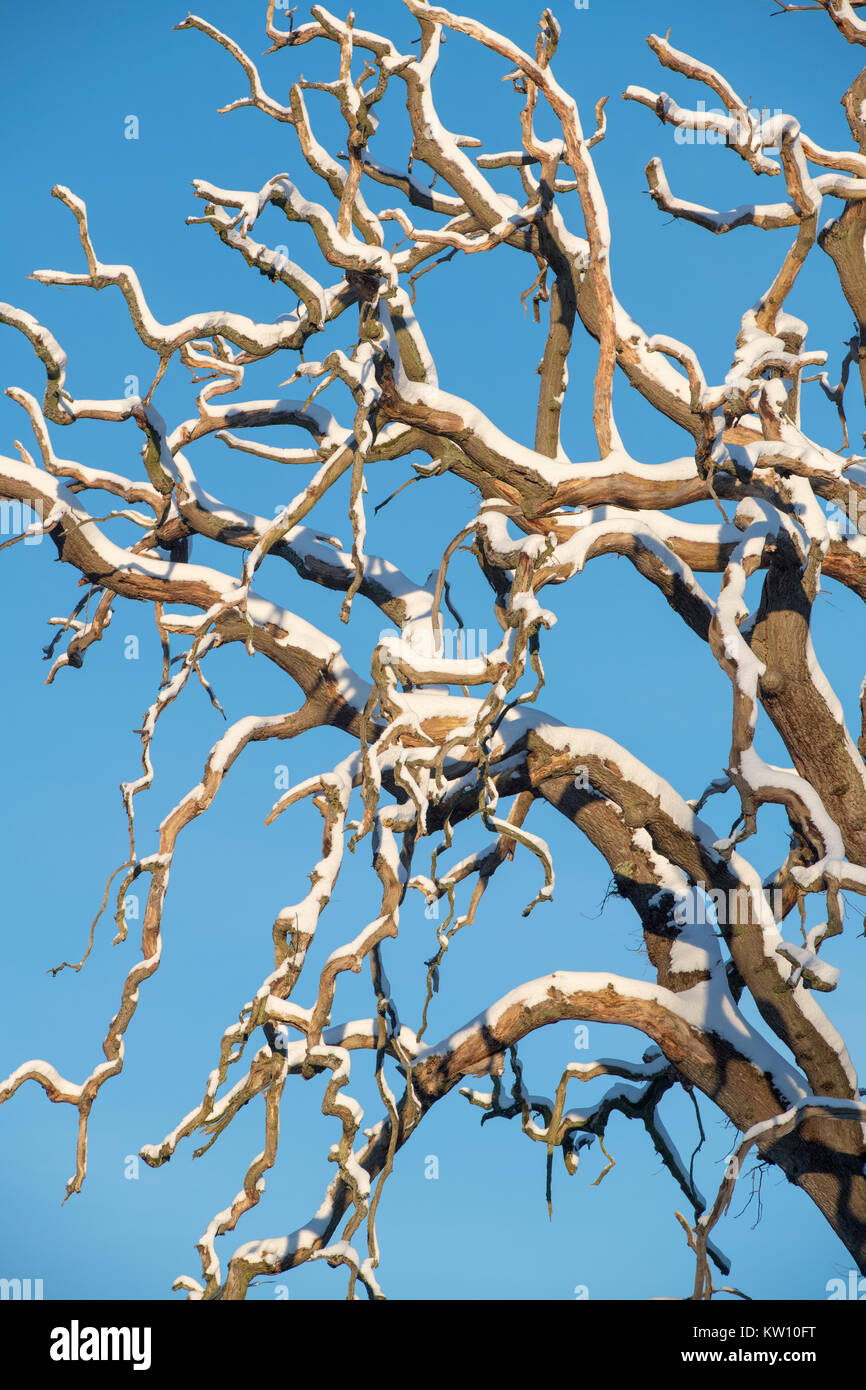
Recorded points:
(444, 736)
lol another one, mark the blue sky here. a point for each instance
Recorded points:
(618, 661)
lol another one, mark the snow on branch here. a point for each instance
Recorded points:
(448, 744)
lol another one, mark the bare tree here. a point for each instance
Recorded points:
(447, 743)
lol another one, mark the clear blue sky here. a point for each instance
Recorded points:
(618, 661)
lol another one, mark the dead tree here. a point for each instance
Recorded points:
(445, 745)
